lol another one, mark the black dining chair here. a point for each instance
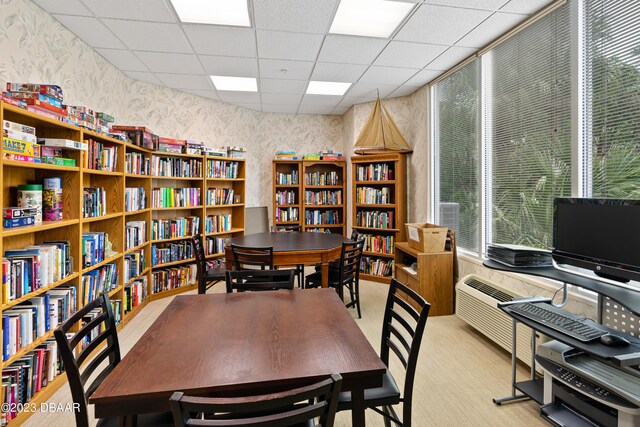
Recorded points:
(405, 318)
(252, 257)
(295, 407)
(347, 275)
(298, 268)
(259, 280)
(207, 277)
(99, 324)
(335, 265)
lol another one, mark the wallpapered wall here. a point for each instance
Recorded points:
(35, 47)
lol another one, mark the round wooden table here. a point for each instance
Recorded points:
(294, 248)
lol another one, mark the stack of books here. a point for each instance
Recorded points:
(19, 142)
(286, 155)
(44, 99)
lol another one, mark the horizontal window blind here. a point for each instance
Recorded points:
(457, 152)
(611, 54)
(529, 130)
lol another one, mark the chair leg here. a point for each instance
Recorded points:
(357, 292)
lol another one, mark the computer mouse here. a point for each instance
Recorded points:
(613, 340)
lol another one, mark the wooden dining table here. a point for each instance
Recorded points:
(292, 248)
(241, 344)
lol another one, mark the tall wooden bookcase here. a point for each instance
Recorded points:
(114, 222)
(379, 210)
(311, 194)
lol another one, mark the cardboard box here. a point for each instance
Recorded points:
(425, 237)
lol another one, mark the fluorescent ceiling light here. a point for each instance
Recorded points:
(372, 18)
(217, 12)
(327, 88)
(240, 84)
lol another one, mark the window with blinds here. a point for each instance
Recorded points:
(611, 64)
(528, 130)
(457, 155)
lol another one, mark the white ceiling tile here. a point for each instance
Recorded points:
(224, 41)
(294, 46)
(440, 24)
(369, 90)
(351, 49)
(67, 7)
(340, 110)
(475, 4)
(496, 25)
(295, 70)
(124, 60)
(423, 77)
(281, 98)
(525, 6)
(321, 100)
(408, 54)
(283, 86)
(249, 105)
(152, 36)
(330, 72)
(387, 75)
(141, 10)
(349, 101)
(91, 31)
(315, 109)
(283, 109)
(304, 16)
(185, 81)
(450, 57)
(229, 66)
(234, 97)
(211, 94)
(145, 77)
(181, 63)
(403, 91)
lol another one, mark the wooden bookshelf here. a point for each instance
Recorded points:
(113, 220)
(287, 192)
(379, 210)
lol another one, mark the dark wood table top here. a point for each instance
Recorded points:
(292, 241)
(240, 343)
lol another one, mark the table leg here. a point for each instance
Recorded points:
(127, 421)
(325, 271)
(357, 408)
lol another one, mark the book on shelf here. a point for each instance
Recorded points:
(63, 143)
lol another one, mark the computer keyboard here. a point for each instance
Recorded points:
(558, 319)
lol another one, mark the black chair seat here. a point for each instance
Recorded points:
(387, 394)
(314, 280)
(217, 273)
(159, 419)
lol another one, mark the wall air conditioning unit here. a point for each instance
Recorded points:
(476, 304)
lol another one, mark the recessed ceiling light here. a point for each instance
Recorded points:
(372, 18)
(241, 84)
(217, 12)
(327, 88)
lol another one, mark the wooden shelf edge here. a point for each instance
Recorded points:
(222, 233)
(46, 166)
(100, 172)
(101, 263)
(173, 239)
(102, 217)
(40, 397)
(37, 292)
(171, 292)
(170, 264)
(377, 254)
(133, 279)
(141, 211)
(177, 178)
(46, 225)
(24, 350)
(375, 278)
(135, 248)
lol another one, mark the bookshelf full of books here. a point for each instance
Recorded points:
(78, 209)
(379, 210)
(324, 197)
(287, 205)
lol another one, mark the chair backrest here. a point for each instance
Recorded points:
(402, 330)
(350, 256)
(285, 228)
(286, 408)
(98, 326)
(251, 257)
(201, 263)
(259, 280)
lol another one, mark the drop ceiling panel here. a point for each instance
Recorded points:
(181, 63)
(229, 66)
(423, 77)
(283, 86)
(293, 46)
(145, 77)
(282, 109)
(304, 16)
(321, 100)
(404, 91)
(475, 4)
(351, 49)
(441, 24)
(67, 7)
(224, 41)
(369, 90)
(282, 69)
(91, 31)
(185, 81)
(451, 57)
(237, 97)
(524, 6)
(330, 72)
(387, 75)
(340, 110)
(485, 33)
(281, 99)
(152, 36)
(141, 10)
(124, 60)
(408, 54)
